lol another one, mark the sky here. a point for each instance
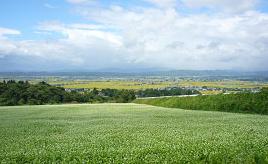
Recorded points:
(93, 35)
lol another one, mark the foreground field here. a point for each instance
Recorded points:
(128, 133)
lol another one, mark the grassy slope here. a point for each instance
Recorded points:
(117, 133)
(239, 103)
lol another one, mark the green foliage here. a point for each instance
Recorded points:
(165, 92)
(129, 133)
(244, 102)
(119, 96)
(20, 93)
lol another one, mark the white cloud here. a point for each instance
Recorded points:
(153, 37)
(233, 6)
(164, 37)
(88, 26)
(82, 34)
(7, 31)
(163, 3)
(80, 45)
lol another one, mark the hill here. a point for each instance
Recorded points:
(129, 133)
(238, 103)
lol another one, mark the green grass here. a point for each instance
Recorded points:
(237, 103)
(129, 133)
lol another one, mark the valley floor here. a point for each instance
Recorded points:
(129, 133)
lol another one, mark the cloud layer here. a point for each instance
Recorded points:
(167, 34)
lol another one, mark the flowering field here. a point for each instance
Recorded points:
(129, 133)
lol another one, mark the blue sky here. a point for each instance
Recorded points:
(26, 14)
(51, 35)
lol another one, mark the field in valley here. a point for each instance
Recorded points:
(130, 133)
(128, 84)
(114, 84)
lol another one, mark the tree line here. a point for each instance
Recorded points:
(22, 92)
(165, 92)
